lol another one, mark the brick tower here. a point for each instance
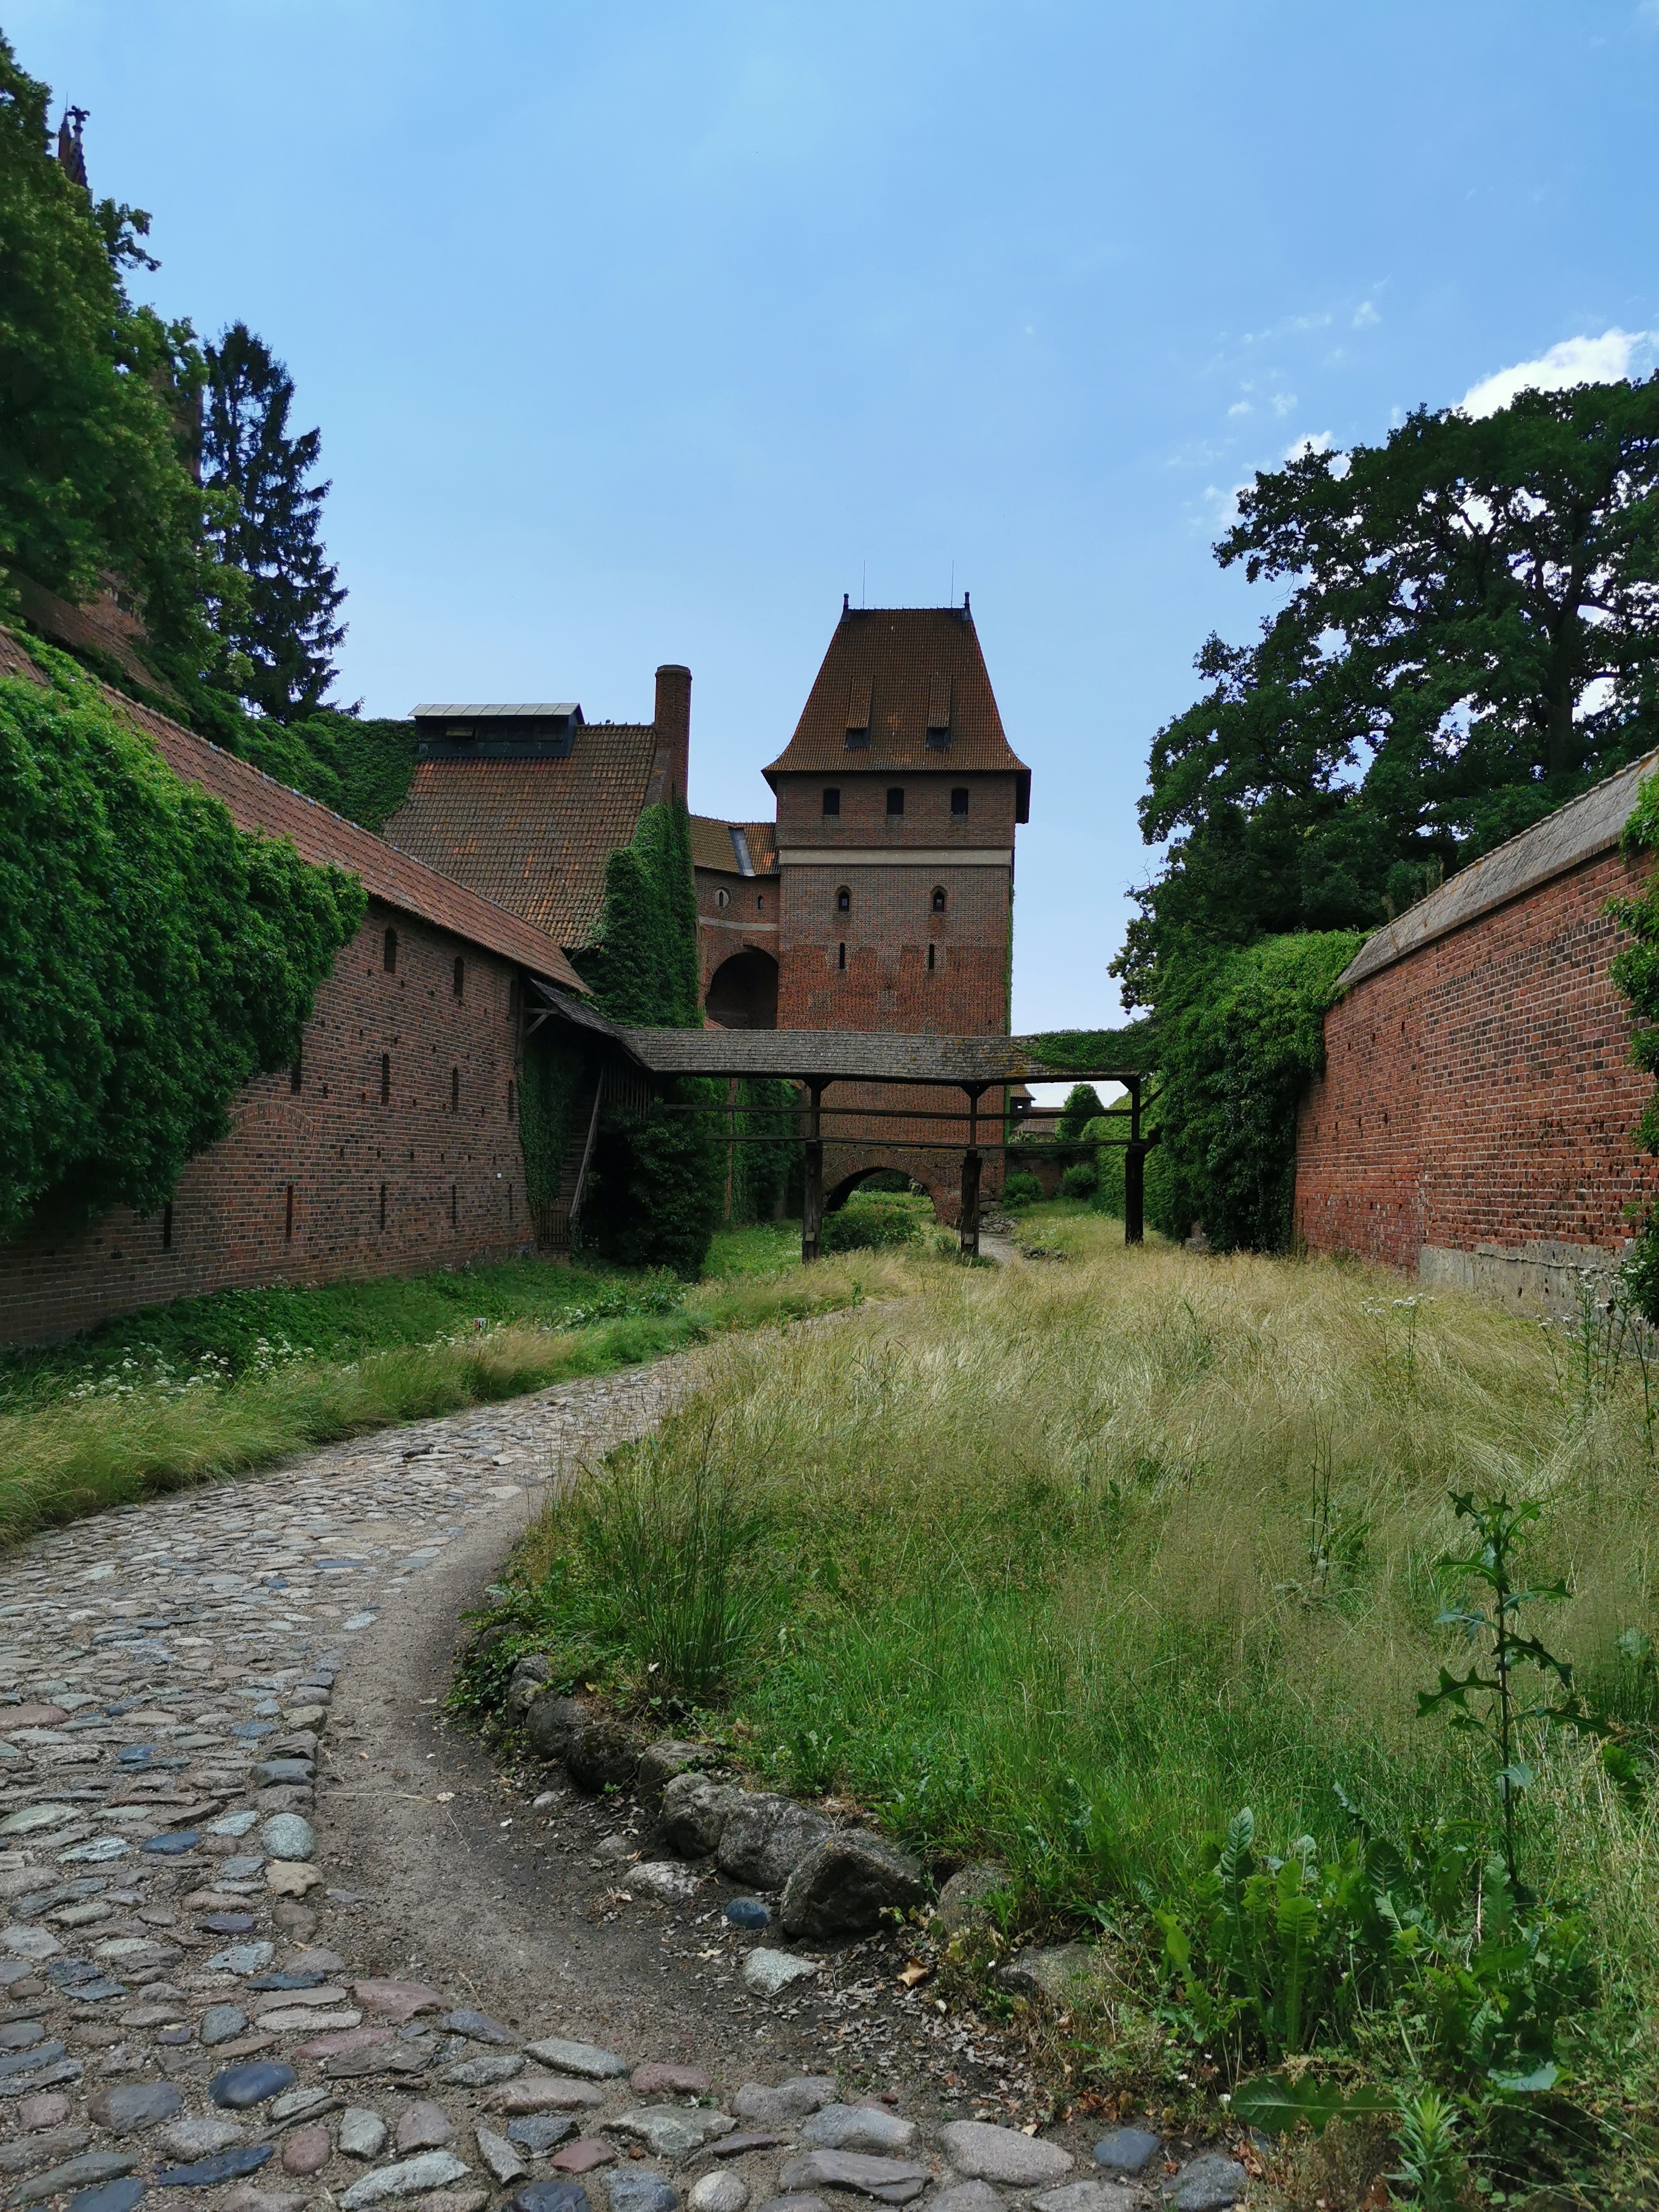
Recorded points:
(897, 800)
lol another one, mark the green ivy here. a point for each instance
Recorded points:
(1635, 971)
(1237, 1040)
(157, 957)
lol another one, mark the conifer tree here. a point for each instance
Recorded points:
(287, 632)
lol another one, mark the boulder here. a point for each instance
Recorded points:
(660, 1762)
(1208, 2183)
(1058, 1976)
(524, 1682)
(961, 1901)
(550, 1724)
(602, 1755)
(694, 1814)
(765, 1838)
(846, 1882)
(981, 2152)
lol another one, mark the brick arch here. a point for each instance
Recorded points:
(944, 1193)
(743, 991)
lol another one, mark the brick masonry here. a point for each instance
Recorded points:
(1475, 1120)
(444, 1148)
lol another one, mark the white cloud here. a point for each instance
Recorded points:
(1575, 360)
(1364, 315)
(1320, 442)
(1283, 403)
(1239, 407)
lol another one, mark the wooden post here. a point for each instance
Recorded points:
(1135, 1173)
(970, 1180)
(812, 1204)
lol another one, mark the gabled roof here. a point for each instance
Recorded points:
(714, 846)
(891, 676)
(533, 835)
(1591, 823)
(257, 802)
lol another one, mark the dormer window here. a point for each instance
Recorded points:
(938, 712)
(858, 713)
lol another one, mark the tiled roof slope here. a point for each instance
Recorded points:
(903, 669)
(712, 847)
(1585, 826)
(533, 835)
(257, 802)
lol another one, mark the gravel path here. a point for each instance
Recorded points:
(274, 1932)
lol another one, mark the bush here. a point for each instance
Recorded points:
(1080, 1180)
(1021, 1188)
(158, 958)
(872, 1224)
(1082, 1104)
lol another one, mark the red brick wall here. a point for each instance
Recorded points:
(887, 930)
(748, 920)
(1478, 1096)
(335, 1143)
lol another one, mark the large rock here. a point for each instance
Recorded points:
(601, 1756)
(672, 2132)
(660, 1762)
(859, 2127)
(788, 2101)
(1088, 2196)
(526, 1682)
(1208, 2183)
(846, 1882)
(1058, 1976)
(765, 1838)
(980, 2151)
(961, 1901)
(890, 2180)
(552, 1724)
(694, 1814)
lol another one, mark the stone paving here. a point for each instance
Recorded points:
(169, 2025)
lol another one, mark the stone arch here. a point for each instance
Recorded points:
(837, 1194)
(743, 991)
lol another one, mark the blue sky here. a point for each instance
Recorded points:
(641, 332)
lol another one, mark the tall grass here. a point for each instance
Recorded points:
(1070, 1562)
(64, 1456)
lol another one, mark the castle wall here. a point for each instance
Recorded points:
(1475, 1120)
(453, 1174)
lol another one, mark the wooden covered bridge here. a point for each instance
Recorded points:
(873, 1069)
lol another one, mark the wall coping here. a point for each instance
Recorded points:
(1591, 823)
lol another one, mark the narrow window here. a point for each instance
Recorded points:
(959, 799)
(454, 1208)
(296, 1074)
(842, 962)
(939, 898)
(460, 977)
(843, 901)
(759, 902)
(509, 1201)
(383, 1206)
(288, 1225)
(167, 1226)
(930, 960)
(515, 996)
(895, 799)
(831, 800)
(386, 1078)
(390, 955)
(722, 897)
(512, 1101)
(455, 1090)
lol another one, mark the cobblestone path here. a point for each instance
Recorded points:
(170, 2022)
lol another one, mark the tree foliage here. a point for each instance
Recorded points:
(1470, 635)
(284, 630)
(97, 404)
(1083, 1104)
(1239, 1039)
(157, 957)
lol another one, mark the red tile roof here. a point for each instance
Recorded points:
(712, 847)
(533, 835)
(896, 672)
(257, 802)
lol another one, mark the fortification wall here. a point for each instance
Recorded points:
(1475, 1118)
(293, 1193)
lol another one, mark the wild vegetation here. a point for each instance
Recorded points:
(244, 1379)
(1128, 1571)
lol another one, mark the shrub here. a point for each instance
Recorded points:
(1021, 1188)
(1080, 1180)
(872, 1224)
(1082, 1104)
(158, 958)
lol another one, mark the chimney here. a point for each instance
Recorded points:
(673, 726)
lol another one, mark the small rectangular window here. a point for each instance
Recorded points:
(515, 996)
(390, 952)
(895, 800)
(167, 1226)
(460, 977)
(383, 1206)
(386, 1078)
(959, 799)
(831, 800)
(288, 1225)
(842, 962)
(295, 1074)
(455, 1090)
(454, 1206)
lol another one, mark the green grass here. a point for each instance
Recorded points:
(1035, 1565)
(241, 1380)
